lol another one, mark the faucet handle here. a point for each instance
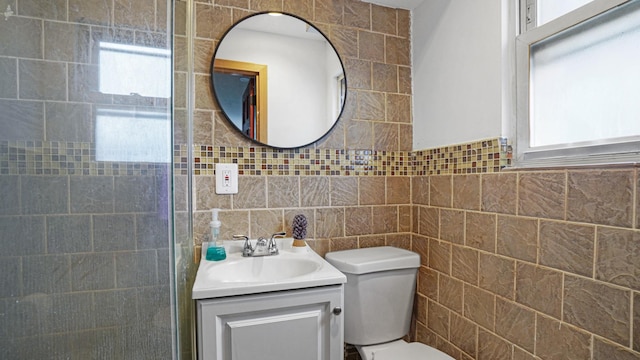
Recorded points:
(273, 247)
(247, 250)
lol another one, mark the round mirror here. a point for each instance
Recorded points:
(278, 80)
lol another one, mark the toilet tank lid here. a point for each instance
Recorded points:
(368, 260)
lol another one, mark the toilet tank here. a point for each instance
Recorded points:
(378, 295)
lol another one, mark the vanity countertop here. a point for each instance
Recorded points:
(292, 268)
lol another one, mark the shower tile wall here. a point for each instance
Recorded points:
(85, 244)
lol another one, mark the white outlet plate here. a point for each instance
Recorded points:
(226, 178)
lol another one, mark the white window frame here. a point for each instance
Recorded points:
(620, 151)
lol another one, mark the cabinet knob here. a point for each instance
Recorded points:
(337, 310)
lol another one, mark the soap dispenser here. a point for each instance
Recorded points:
(215, 251)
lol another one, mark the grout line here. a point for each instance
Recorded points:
(631, 322)
(562, 296)
(596, 235)
(566, 194)
(538, 225)
(450, 191)
(495, 234)
(480, 193)
(299, 181)
(635, 207)
(535, 332)
(517, 209)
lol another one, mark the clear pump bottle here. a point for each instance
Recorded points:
(215, 251)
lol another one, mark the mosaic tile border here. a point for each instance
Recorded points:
(305, 162)
(66, 158)
(484, 156)
(71, 158)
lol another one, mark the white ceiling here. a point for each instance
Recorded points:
(398, 4)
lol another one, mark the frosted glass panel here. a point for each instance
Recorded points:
(551, 9)
(585, 81)
(86, 210)
(128, 135)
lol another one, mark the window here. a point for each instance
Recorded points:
(135, 70)
(127, 133)
(578, 82)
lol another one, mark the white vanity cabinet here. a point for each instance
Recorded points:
(284, 325)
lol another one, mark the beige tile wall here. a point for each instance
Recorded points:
(354, 185)
(370, 40)
(529, 264)
(516, 265)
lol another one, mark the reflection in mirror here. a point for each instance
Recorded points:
(278, 80)
(245, 96)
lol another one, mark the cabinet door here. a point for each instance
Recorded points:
(294, 325)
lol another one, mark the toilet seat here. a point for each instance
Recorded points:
(401, 350)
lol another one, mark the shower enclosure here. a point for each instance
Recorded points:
(87, 251)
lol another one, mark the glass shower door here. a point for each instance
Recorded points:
(85, 180)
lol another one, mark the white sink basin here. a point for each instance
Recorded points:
(237, 275)
(262, 269)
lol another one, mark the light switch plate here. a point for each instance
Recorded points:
(226, 178)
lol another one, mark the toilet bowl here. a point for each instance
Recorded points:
(401, 350)
(378, 298)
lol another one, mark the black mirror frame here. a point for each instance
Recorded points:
(213, 90)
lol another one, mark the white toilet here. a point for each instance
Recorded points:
(378, 302)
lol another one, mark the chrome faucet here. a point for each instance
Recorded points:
(263, 246)
(272, 247)
(247, 250)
